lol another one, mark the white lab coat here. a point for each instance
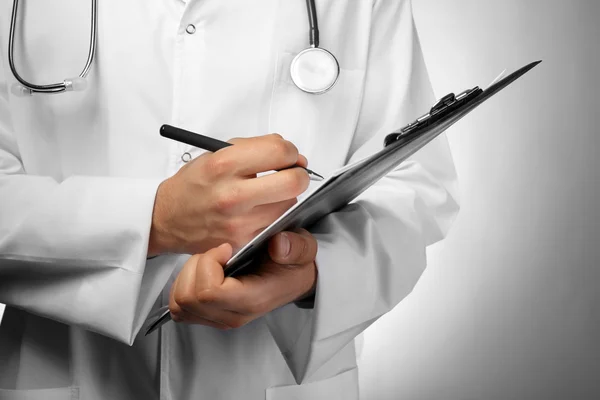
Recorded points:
(79, 172)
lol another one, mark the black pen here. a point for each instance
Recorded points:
(210, 144)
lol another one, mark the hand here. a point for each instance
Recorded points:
(202, 295)
(217, 197)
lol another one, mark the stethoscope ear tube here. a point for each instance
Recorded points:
(72, 84)
(314, 70)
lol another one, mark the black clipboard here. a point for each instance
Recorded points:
(344, 186)
(349, 182)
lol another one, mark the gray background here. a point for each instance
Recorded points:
(508, 307)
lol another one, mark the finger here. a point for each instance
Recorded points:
(222, 253)
(209, 270)
(209, 310)
(220, 317)
(297, 248)
(193, 319)
(240, 140)
(192, 303)
(254, 155)
(177, 294)
(273, 188)
(263, 215)
(210, 315)
(236, 140)
(180, 315)
(270, 288)
(200, 272)
(302, 161)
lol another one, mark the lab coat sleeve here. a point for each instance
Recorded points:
(75, 251)
(372, 252)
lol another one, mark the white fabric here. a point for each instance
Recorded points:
(79, 172)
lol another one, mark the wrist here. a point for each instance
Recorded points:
(158, 238)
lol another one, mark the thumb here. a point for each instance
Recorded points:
(293, 248)
(220, 254)
(209, 268)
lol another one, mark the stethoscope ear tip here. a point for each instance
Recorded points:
(78, 84)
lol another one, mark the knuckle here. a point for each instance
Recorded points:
(206, 296)
(183, 300)
(276, 136)
(227, 199)
(278, 147)
(286, 150)
(218, 165)
(175, 310)
(177, 316)
(291, 150)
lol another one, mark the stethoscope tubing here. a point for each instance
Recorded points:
(313, 22)
(54, 87)
(68, 84)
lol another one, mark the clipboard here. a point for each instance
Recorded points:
(346, 184)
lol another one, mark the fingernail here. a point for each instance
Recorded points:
(283, 246)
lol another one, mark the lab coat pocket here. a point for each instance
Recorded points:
(66, 393)
(340, 387)
(320, 125)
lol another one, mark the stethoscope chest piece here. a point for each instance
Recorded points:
(315, 70)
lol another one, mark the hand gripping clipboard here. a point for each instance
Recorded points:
(346, 184)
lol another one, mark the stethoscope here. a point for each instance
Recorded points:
(314, 70)
(72, 84)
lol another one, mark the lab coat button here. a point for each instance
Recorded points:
(191, 29)
(186, 157)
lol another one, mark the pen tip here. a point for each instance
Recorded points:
(314, 176)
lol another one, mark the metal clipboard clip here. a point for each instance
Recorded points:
(442, 107)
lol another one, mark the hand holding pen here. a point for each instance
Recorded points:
(218, 198)
(211, 144)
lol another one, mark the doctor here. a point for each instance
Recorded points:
(90, 193)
